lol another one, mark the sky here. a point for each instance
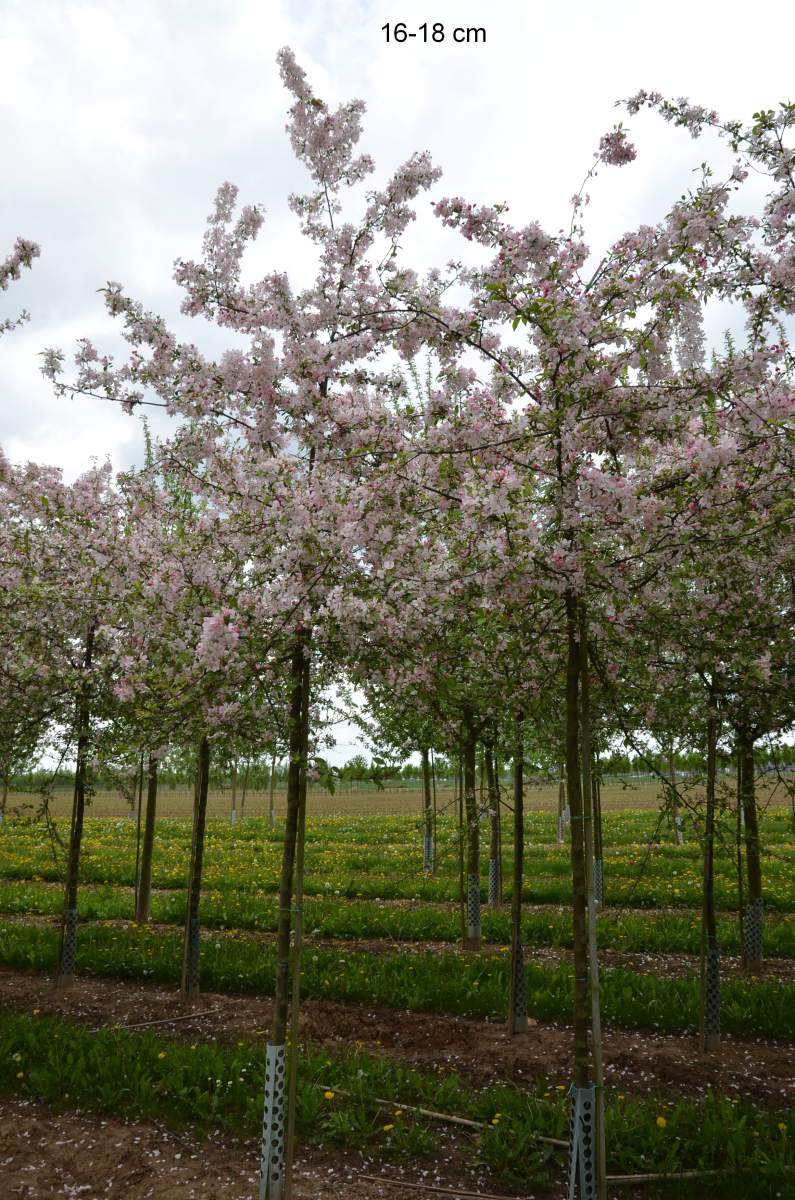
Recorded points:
(118, 122)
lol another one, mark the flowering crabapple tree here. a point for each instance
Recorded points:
(612, 373)
(285, 438)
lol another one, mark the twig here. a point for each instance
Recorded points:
(430, 1187)
(437, 1116)
(162, 1021)
(661, 1176)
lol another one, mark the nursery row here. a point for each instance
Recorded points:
(425, 981)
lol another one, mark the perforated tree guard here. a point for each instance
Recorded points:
(520, 993)
(753, 930)
(582, 1143)
(427, 855)
(69, 944)
(271, 1176)
(712, 1005)
(473, 907)
(598, 881)
(494, 881)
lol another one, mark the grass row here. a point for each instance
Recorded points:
(246, 858)
(469, 986)
(667, 932)
(219, 1087)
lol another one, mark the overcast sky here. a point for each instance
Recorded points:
(118, 121)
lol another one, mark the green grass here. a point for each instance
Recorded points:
(219, 1087)
(471, 986)
(657, 932)
(380, 858)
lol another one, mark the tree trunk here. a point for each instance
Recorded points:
(710, 957)
(244, 789)
(583, 1094)
(495, 848)
(433, 787)
(271, 1183)
(473, 939)
(462, 893)
(295, 1005)
(427, 812)
(271, 814)
(754, 913)
(563, 807)
(65, 971)
(598, 842)
(145, 882)
(140, 784)
(233, 809)
(517, 986)
(590, 866)
(190, 958)
(680, 837)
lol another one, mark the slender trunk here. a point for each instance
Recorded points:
(598, 843)
(244, 789)
(583, 1093)
(517, 986)
(462, 895)
(295, 1004)
(710, 960)
(739, 858)
(271, 814)
(579, 885)
(563, 807)
(140, 786)
(190, 959)
(145, 882)
(680, 837)
(433, 785)
(272, 1149)
(590, 865)
(754, 913)
(473, 936)
(495, 860)
(65, 971)
(233, 809)
(427, 808)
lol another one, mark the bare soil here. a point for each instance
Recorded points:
(47, 1155)
(636, 1063)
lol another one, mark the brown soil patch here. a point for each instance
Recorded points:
(46, 1155)
(636, 1063)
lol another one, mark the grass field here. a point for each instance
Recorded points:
(394, 1008)
(359, 799)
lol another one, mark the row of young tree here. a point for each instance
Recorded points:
(565, 525)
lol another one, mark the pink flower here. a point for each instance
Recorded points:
(614, 148)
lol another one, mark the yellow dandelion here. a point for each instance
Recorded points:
(661, 1122)
(328, 1095)
(388, 1127)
